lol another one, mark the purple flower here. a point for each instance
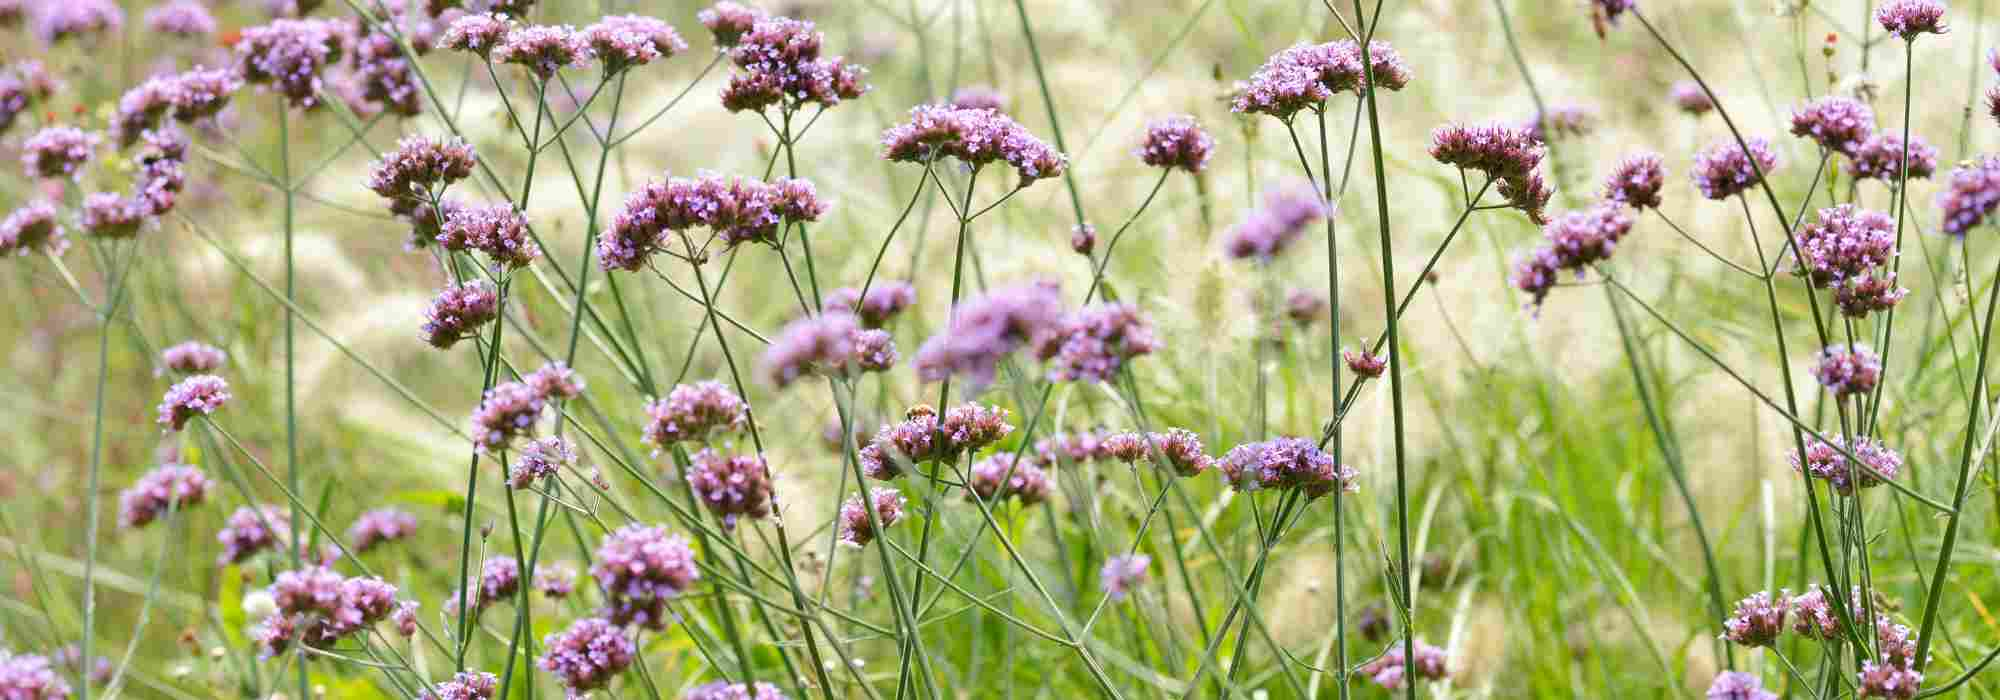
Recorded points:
(1580, 238)
(58, 21)
(640, 567)
(882, 304)
(289, 56)
(543, 49)
(33, 226)
(780, 63)
(1083, 239)
(923, 437)
(555, 380)
(322, 606)
(1909, 18)
(1365, 364)
(111, 215)
(467, 685)
(856, 528)
(1001, 477)
(1971, 195)
(986, 329)
(199, 394)
(29, 677)
(587, 655)
(692, 412)
(822, 344)
(976, 137)
(418, 168)
(1306, 75)
(1814, 617)
(476, 33)
(1758, 619)
(458, 312)
(1286, 463)
(1305, 307)
(251, 530)
(1737, 685)
(1181, 449)
(1867, 293)
(1094, 342)
(1567, 120)
(1881, 158)
(167, 487)
(1886, 679)
(1535, 274)
(1267, 231)
(874, 351)
(181, 18)
(1527, 193)
(729, 21)
(979, 97)
(405, 619)
(555, 580)
(1690, 98)
(1176, 142)
(380, 526)
(1636, 182)
(139, 109)
(725, 690)
(624, 41)
(1844, 242)
(1121, 574)
(505, 412)
(1725, 169)
(496, 230)
(1838, 124)
(1823, 460)
(1498, 150)
(733, 486)
(58, 151)
(540, 459)
(739, 209)
(1387, 670)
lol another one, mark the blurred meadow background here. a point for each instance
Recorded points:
(1553, 551)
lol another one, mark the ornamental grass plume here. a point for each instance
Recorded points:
(1636, 182)
(1737, 685)
(1387, 670)
(1881, 158)
(1823, 460)
(694, 412)
(290, 56)
(1970, 196)
(1176, 142)
(380, 526)
(986, 329)
(587, 655)
(1123, 574)
(540, 459)
(640, 568)
(33, 226)
(58, 151)
(458, 312)
(175, 487)
(1837, 123)
(1286, 463)
(732, 486)
(1848, 370)
(883, 303)
(1267, 231)
(200, 394)
(856, 529)
(1758, 619)
(1727, 169)
(976, 138)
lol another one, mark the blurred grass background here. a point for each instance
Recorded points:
(1568, 566)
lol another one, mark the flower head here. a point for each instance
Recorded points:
(1286, 463)
(1847, 370)
(555, 380)
(1886, 679)
(1269, 230)
(1365, 364)
(986, 329)
(111, 215)
(1123, 573)
(419, 167)
(29, 677)
(458, 312)
(1176, 142)
(32, 227)
(505, 412)
(1306, 75)
(1094, 342)
(1535, 274)
(640, 567)
(1001, 477)
(732, 486)
(467, 685)
(1581, 238)
(1839, 124)
(1561, 121)
(476, 33)
(882, 303)
(251, 530)
(1304, 306)
(587, 655)
(1726, 169)
(729, 21)
(498, 230)
(857, 528)
(541, 459)
(1181, 450)
(823, 344)
(1909, 18)
(58, 151)
(1758, 619)
(199, 394)
(543, 49)
(1823, 459)
(167, 487)
(187, 18)
(779, 62)
(979, 97)
(1387, 670)
(1971, 195)
(1845, 241)
(290, 55)
(693, 412)
(72, 19)
(624, 41)
(1881, 158)
(1737, 685)
(380, 526)
(1636, 182)
(976, 137)
(1690, 98)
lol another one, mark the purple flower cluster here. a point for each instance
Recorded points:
(540, 459)
(693, 412)
(1886, 679)
(467, 685)
(1758, 619)
(1122, 574)
(378, 527)
(1690, 98)
(245, 533)
(733, 486)
(382, 77)
(1001, 477)
(856, 528)
(33, 226)
(1848, 370)
(320, 607)
(1093, 343)
(976, 137)
(1083, 239)
(167, 487)
(290, 55)
(740, 209)
(58, 21)
(109, 215)
(497, 230)
(29, 677)
(1814, 617)
(418, 169)
(1737, 685)
(588, 654)
(831, 344)
(625, 41)
(781, 64)
(499, 579)
(506, 411)
(476, 33)
(1636, 182)
(922, 437)
(1836, 123)
(1971, 195)
(1365, 364)
(198, 394)
(1506, 154)
(640, 567)
(1868, 293)
(58, 151)
(1306, 75)
(725, 690)
(458, 312)
(1881, 158)
(881, 305)
(1561, 121)
(729, 21)
(1305, 307)
(543, 49)
(1823, 460)
(1269, 230)
(1909, 18)
(1726, 169)
(986, 329)
(1535, 274)
(1387, 670)
(181, 18)
(1181, 448)
(1845, 241)
(1286, 463)
(198, 93)
(979, 97)
(1573, 241)
(1176, 142)
(555, 380)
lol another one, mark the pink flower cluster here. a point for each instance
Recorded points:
(1001, 477)
(1287, 463)
(1839, 124)
(640, 568)
(58, 151)
(856, 527)
(319, 607)
(511, 409)
(199, 394)
(458, 312)
(626, 41)
(986, 329)
(1970, 196)
(418, 169)
(498, 230)
(30, 677)
(694, 412)
(1507, 155)
(467, 685)
(1387, 670)
(290, 56)
(1122, 574)
(1176, 142)
(1181, 448)
(1726, 169)
(1093, 343)
(250, 530)
(1306, 75)
(1848, 370)
(831, 343)
(587, 655)
(732, 486)
(167, 487)
(976, 137)
(739, 209)
(1823, 459)
(725, 690)
(780, 64)
(378, 527)
(923, 437)
(881, 305)
(540, 459)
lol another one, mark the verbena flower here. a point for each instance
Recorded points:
(885, 300)
(824, 344)
(542, 49)
(1636, 182)
(1093, 343)
(555, 580)
(1813, 616)
(1688, 97)
(1970, 196)
(1910, 18)
(199, 394)
(109, 215)
(497, 230)
(382, 75)
(476, 33)
(1121, 574)
(1582, 238)
(779, 64)
(1848, 370)
(587, 655)
(740, 209)
(405, 619)
(1305, 75)
(245, 533)
(626, 41)
(1305, 307)
(29, 677)
(694, 412)
(724, 690)
(976, 137)
(1561, 121)
(1535, 274)
(732, 486)
(1881, 158)
(1726, 169)
(1506, 154)
(1286, 463)
(467, 685)
(1839, 124)
(987, 328)
(555, 380)
(1071, 447)
(1609, 10)
(290, 56)
(979, 97)
(320, 607)
(923, 437)
(1181, 449)
(1823, 460)
(1860, 295)
(1365, 364)
(58, 151)
(1269, 230)
(856, 529)
(1083, 239)
(729, 21)
(1845, 241)
(1758, 619)
(32, 227)
(1885, 679)
(1737, 685)
(459, 311)
(1176, 142)
(1001, 477)
(76, 19)
(540, 459)
(418, 168)
(640, 567)
(507, 411)
(499, 579)
(378, 527)
(188, 18)
(1387, 670)
(167, 487)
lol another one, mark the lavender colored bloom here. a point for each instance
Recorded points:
(382, 78)
(540, 459)
(140, 108)
(555, 580)
(58, 151)
(724, 690)
(380, 526)
(586, 656)
(640, 567)
(1286, 463)
(193, 357)
(823, 344)
(1636, 182)
(1181, 450)
(1580, 238)
(1737, 685)
(1121, 574)
(856, 528)
(1848, 370)
(985, 329)
(33, 226)
(323, 607)
(1387, 670)
(1535, 274)
(1083, 239)
(729, 21)
(200, 92)
(1568, 120)
(874, 351)
(979, 97)
(1881, 158)
(780, 63)
(1001, 477)
(1845, 241)
(1836, 123)
(733, 486)
(496, 230)
(199, 394)
(75, 19)
(882, 304)
(1498, 150)
(1305, 307)
(1886, 679)
(976, 137)
(458, 312)
(555, 380)
(1365, 364)
(111, 215)
(1971, 195)
(1176, 142)
(1094, 342)
(1814, 617)
(624, 41)
(739, 209)
(1076, 447)
(166, 487)
(476, 33)
(1267, 231)
(1725, 169)
(693, 412)
(290, 56)
(467, 685)
(543, 49)
(245, 533)
(505, 412)
(1867, 293)
(29, 677)
(405, 619)
(1758, 619)
(1823, 460)
(499, 579)
(1909, 18)
(418, 168)
(1528, 193)
(1306, 75)
(187, 18)
(1690, 98)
